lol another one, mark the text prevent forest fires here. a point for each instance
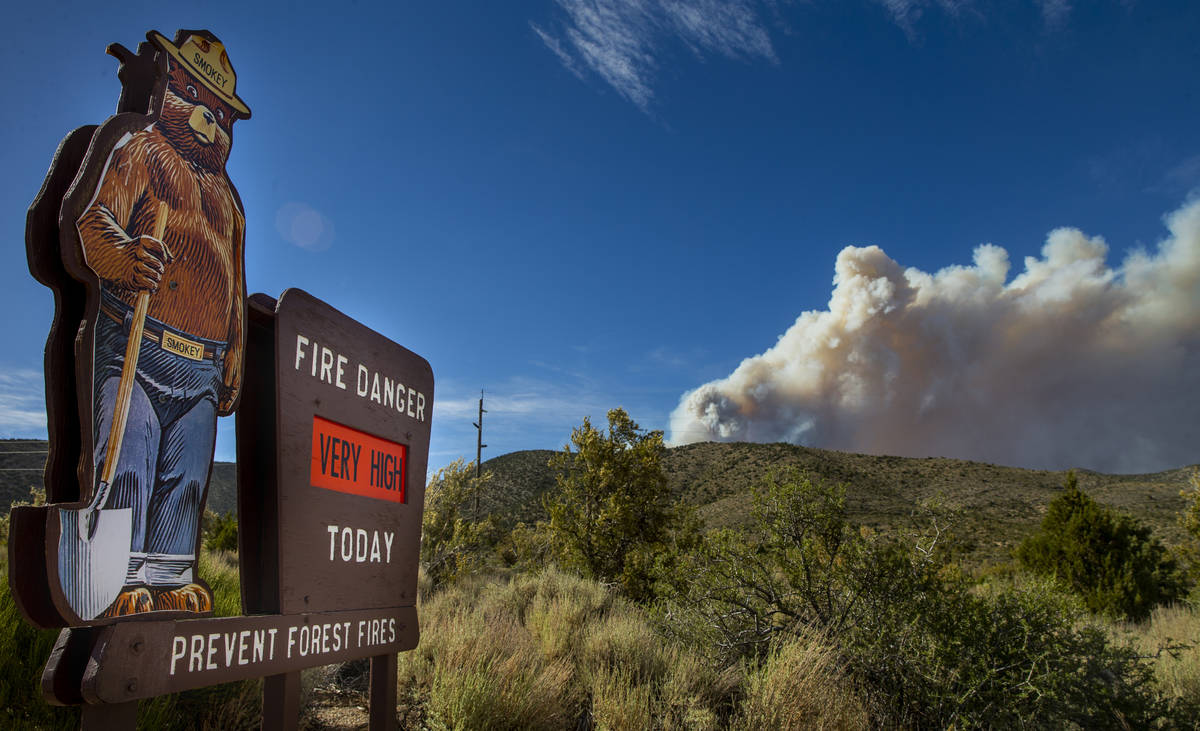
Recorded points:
(215, 651)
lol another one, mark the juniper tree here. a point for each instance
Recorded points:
(1109, 559)
(611, 508)
(454, 542)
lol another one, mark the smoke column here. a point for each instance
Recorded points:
(1070, 363)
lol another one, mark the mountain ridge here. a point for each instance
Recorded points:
(991, 506)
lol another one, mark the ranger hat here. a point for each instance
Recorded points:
(205, 58)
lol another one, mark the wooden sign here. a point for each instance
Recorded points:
(349, 412)
(140, 233)
(144, 659)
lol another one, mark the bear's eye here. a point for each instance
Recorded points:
(221, 115)
(192, 90)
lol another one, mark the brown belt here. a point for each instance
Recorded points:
(165, 339)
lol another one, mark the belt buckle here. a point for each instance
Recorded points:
(180, 345)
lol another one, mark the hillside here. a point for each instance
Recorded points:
(994, 506)
(22, 461)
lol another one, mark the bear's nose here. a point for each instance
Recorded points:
(208, 117)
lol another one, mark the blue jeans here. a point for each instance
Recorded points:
(166, 454)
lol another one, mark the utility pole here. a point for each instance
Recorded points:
(479, 445)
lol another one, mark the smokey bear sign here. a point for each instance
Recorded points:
(140, 233)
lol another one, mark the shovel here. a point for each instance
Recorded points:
(93, 543)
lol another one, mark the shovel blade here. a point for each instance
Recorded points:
(92, 572)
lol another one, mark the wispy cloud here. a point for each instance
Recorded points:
(664, 358)
(1055, 12)
(623, 41)
(626, 43)
(906, 13)
(1149, 165)
(22, 404)
(524, 412)
(522, 403)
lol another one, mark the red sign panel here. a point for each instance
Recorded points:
(351, 461)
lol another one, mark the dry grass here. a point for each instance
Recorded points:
(621, 702)
(1172, 637)
(800, 686)
(557, 651)
(553, 651)
(479, 667)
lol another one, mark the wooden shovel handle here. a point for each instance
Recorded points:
(116, 433)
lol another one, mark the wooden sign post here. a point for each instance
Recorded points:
(335, 439)
(140, 234)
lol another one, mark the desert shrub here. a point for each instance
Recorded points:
(919, 645)
(1110, 560)
(611, 514)
(801, 684)
(497, 680)
(1015, 656)
(455, 540)
(1189, 520)
(479, 667)
(620, 701)
(802, 568)
(1171, 636)
(220, 532)
(554, 650)
(527, 547)
(555, 623)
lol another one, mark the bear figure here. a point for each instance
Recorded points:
(166, 226)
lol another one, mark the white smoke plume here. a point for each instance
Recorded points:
(1070, 363)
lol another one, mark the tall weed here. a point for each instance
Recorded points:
(478, 667)
(621, 702)
(1172, 638)
(553, 650)
(801, 685)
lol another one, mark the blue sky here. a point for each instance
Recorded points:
(582, 205)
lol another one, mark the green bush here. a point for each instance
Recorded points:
(221, 532)
(611, 513)
(921, 646)
(1110, 560)
(1189, 520)
(455, 541)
